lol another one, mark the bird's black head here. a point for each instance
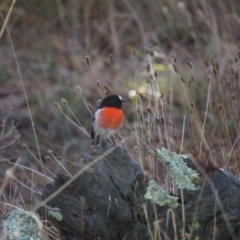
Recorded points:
(112, 101)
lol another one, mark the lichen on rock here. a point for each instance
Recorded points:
(177, 169)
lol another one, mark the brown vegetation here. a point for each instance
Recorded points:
(177, 62)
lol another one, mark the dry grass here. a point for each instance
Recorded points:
(187, 101)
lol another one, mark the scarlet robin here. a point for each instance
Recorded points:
(107, 119)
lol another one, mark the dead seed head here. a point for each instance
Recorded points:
(144, 98)
(13, 124)
(236, 59)
(146, 50)
(182, 79)
(215, 72)
(24, 146)
(232, 71)
(212, 59)
(50, 152)
(149, 110)
(221, 143)
(220, 107)
(193, 78)
(111, 58)
(9, 173)
(221, 81)
(173, 56)
(162, 120)
(138, 110)
(213, 64)
(236, 76)
(151, 52)
(151, 152)
(57, 106)
(88, 62)
(29, 182)
(175, 68)
(78, 89)
(148, 67)
(98, 84)
(134, 52)
(17, 136)
(119, 138)
(48, 158)
(237, 121)
(64, 101)
(136, 149)
(155, 74)
(206, 63)
(158, 121)
(99, 102)
(189, 64)
(106, 93)
(108, 89)
(175, 137)
(229, 85)
(4, 161)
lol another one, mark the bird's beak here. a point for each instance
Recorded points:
(124, 100)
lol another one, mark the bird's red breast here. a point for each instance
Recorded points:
(110, 118)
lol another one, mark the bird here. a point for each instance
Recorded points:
(107, 119)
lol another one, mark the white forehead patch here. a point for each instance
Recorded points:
(120, 97)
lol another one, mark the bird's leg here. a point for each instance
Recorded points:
(96, 140)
